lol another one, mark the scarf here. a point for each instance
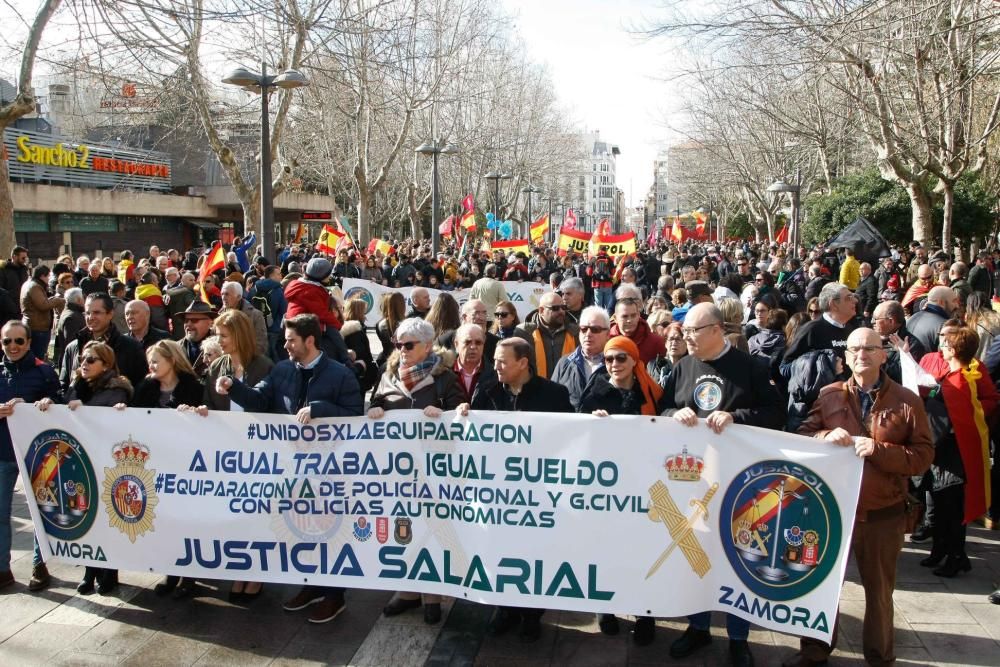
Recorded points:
(541, 359)
(413, 375)
(651, 391)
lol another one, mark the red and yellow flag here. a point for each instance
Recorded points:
(214, 260)
(512, 245)
(328, 240)
(299, 232)
(469, 221)
(618, 245)
(677, 232)
(539, 228)
(572, 241)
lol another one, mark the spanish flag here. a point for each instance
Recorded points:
(214, 260)
(512, 245)
(539, 228)
(677, 232)
(378, 245)
(329, 238)
(572, 241)
(468, 222)
(618, 245)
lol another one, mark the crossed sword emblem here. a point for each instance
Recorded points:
(664, 510)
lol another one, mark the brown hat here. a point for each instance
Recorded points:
(200, 309)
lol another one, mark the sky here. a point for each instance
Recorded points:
(609, 79)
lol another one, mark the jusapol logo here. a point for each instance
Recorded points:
(781, 529)
(361, 293)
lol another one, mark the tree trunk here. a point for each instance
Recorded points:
(6, 203)
(251, 215)
(365, 202)
(948, 188)
(923, 223)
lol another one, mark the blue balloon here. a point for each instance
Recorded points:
(506, 229)
(491, 221)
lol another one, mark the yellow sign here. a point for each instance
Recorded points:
(59, 155)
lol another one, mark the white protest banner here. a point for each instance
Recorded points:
(549, 512)
(524, 296)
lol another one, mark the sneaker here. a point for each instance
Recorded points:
(328, 609)
(608, 624)
(305, 597)
(6, 578)
(39, 578)
(739, 653)
(921, 535)
(645, 629)
(531, 629)
(690, 642)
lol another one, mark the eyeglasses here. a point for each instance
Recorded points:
(814, 311)
(555, 309)
(870, 349)
(90, 360)
(675, 339)
(501, 314)
(408, 345)
(620, 357)
(15, 341)
(584, 328)
(691, 331)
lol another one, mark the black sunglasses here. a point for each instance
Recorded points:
(501, 313)
(16, 341)
(408, 345)
(592, 329)
(620, 357)
(90, 360)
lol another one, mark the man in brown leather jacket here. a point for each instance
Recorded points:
(887, 426)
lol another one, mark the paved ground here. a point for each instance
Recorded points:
(938, 621)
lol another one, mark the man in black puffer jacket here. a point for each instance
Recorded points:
(22, 378)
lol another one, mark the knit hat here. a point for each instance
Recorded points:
(318, 269)
(650, 389)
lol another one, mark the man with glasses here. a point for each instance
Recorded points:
(629, 323)
(550, 336)
(473, 312)
(723, 385)
(23, 378)
(830, 331)
(574, 370)
(887, 426)
(889, 322)
(916, 295)
(98, 313)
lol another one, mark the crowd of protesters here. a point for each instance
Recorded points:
(895, 357)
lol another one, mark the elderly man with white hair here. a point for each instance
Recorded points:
(473, 312)
(574, 370)
(829, 332)
(232, 299)
(71, 321)
(137, 318)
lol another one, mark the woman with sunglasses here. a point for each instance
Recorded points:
(505, 320)
(416, 378)
(622, 387)
(96, 382)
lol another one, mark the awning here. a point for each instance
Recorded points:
(202, 224)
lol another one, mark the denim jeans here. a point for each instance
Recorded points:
(8, 477)
(40, 344)
(736, 627)
(605, 298)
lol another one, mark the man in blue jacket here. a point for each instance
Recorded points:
(308, 385)
(23, 378)
(241, 248)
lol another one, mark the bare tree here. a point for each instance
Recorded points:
(22, 104)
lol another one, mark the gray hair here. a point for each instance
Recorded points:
(490, 271)
(596, 312)
(138, 303)
(940, 295)
(829, 294)
(416, 328)
(211, 345)
(630, 291)
(232, 286)
(74, 295)
(573, 283)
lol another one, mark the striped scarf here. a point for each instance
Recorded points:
(413, 375)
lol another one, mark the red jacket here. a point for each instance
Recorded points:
(650, 344)
(305, 296)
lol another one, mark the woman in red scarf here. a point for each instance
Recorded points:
(961, 413)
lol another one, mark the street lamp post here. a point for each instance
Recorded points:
(792, 189)
(286, 80)
(530, 190)
(496, 177)
(434, 148)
